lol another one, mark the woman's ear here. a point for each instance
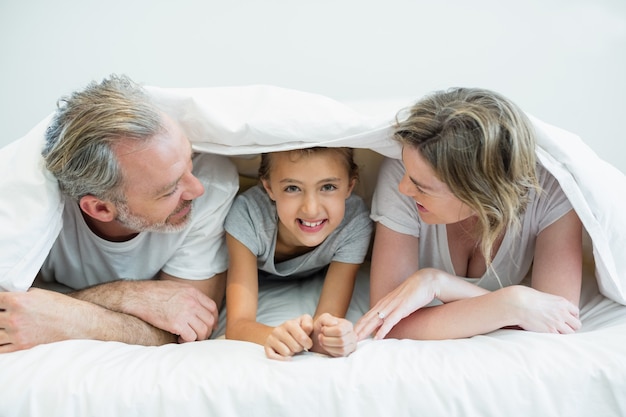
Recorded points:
(268, 188)
(101, 210)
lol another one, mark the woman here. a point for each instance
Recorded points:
(462, 219)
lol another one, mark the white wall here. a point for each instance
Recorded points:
(562, 60)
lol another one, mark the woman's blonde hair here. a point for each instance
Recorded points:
(483, 147)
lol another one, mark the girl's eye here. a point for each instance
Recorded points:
(329, 187)
(291, 189)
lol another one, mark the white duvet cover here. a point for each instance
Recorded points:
(505, 373)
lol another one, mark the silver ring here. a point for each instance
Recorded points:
(381, 315)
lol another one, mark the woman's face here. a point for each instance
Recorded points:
(435, 202)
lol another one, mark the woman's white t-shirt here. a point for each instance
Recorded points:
(512, 262)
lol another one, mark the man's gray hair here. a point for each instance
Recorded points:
(86, 126)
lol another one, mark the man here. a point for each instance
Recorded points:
(142, 244)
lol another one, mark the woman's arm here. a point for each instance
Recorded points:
(475, 311)
(398, 288)
(394, 258)
(516, 305)
(557, 264)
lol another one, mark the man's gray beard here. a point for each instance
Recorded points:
(140, 224)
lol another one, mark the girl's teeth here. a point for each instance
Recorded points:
(311, 224)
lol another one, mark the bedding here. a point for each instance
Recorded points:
(507, 372)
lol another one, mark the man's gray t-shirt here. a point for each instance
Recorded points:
(253, 221)
(79, 258)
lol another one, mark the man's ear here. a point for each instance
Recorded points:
(101, 210)
(268, 188)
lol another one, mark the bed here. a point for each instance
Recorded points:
(506, 372)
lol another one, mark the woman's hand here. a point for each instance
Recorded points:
(414, 293)
(541, 312)
(291, 337)
(335, 336)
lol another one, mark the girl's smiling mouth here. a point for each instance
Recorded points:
(313, 226)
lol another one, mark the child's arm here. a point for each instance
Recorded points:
(332, 333)
(242, 291)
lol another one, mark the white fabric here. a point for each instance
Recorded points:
(30, 210)
(505, 373)
(247, 120)
(597, 191)
(253, 119)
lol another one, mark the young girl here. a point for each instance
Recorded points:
(463, 218)
(300, 221)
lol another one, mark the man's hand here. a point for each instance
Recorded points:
(173, 306)
(177, 308)
(38, 316)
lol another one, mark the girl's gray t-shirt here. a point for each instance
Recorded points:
(253, 221)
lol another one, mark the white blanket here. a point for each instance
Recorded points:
(504, 373)
(253, 119)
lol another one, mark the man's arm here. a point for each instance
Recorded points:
(40, 316)
(185, 308)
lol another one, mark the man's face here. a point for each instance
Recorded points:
(160, 185)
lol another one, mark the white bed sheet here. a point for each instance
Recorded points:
(505, 373)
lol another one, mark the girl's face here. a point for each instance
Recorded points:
(435, 202)
(310, 192)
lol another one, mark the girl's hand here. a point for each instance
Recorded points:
(335, 336)
(542, 312)
(414, 293)
(291, 337)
